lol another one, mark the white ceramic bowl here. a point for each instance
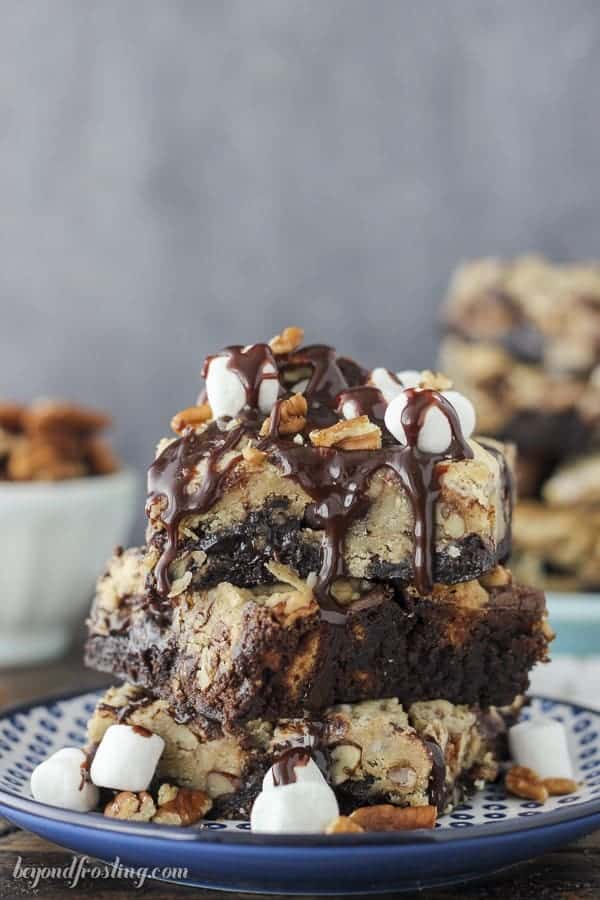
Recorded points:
(55, 538)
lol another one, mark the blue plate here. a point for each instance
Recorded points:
(477, 838)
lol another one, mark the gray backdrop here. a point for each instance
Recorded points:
(175, 176)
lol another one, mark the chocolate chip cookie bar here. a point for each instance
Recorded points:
(522, 338)
(371, 752)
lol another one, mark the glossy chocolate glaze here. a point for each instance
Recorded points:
(253, 365)
(336, 480)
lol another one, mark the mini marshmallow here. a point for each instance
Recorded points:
(306, 806)
(60, 781)
(386, 383)
(224, 390)
(126, 759)
(435, 435)
(541, 745)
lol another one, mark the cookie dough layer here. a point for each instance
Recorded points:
(263, 514)
(371, 752)
(235, 654)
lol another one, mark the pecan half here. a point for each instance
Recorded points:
(288, 341)
(525, 783)
(292, 416)
(191, 417)
(349, 434)
(394, 818)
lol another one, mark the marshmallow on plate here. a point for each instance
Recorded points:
(541, 745)
(60, 781)
(126, 759)
(306, 806)
(225, 390)
(435, 435)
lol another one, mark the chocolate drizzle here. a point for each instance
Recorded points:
(253, 365)
(336, 480)
(437, 778)
(170, 477)
(284, 767)
(365, 400)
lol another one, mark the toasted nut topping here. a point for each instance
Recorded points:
(191, 417)
(11, 416)
(253, 455)
(498, 577)
(50, 417)
(166, 793)
(435, 381)
(343, 825)
(292, 416)
(134, 807)
(394, 818)
(523, 782)
(186, 808)
(349, 434)
(101, 457)
(558, 787)
(288, 341)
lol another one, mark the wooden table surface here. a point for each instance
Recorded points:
(573, 872)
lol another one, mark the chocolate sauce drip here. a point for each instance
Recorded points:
(169, 479)
(366, 400)
(336, 480)
(437, 778)
(284, 767)
(249, 365)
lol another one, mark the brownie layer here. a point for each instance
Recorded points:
(235, 654)
(371, 752)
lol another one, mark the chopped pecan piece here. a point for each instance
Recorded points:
(525, 783)
(292, 416)
(343, 825)
(349, 434)
(288, 341)
(558, 787)
(184, 807)
(134, 807)
(191, 417)
(394, 818)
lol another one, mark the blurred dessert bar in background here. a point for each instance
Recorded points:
(522, 339)
(53, 441)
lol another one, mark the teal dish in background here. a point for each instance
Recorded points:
(576, 620)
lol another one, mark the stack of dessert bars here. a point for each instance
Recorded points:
(523, 341)
(311, 580)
